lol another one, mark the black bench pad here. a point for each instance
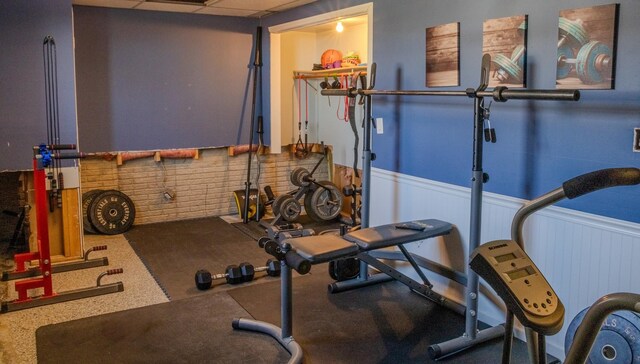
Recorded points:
(389, 235)
(322, 248)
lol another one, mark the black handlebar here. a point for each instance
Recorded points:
(295, 261)
(597, 180)
(503, 94)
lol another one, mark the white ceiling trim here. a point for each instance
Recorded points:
(357, 10)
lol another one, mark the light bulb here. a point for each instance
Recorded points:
(339, 27)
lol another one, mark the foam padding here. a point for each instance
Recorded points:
(390, 235)
(322, 248)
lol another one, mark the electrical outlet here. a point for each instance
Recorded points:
(379, 126)
(636, 140)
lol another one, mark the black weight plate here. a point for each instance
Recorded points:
(290, 209)
(298, 177)
(618, 340)
(87, 198)
(112, 212)
(325, 203)
(277, 203)
(344, 269)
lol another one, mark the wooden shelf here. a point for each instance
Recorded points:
(305, 75)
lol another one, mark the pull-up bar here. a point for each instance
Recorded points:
(500, 93)
(471, 335)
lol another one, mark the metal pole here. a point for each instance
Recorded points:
(257, 63)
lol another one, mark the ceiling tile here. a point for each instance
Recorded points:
(108, 3)
(291, 4)
(226, 12)
(180, 8)
(251, 4)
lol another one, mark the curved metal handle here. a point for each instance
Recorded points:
(597, 180)
(573, 188)
(595, 316)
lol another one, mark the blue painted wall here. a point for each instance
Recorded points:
(177, 61)
(157, 80)
(23, 26)
(540, 144)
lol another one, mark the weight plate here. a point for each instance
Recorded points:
(617, 342)
(344, 269)
(573, 32)
(112, 212)
(563, 69)
(277, 203)
(511, 69)
(87, 198)
(299, 177)
(586, 62)
(324, 203)
(518, 52)
(290, 209)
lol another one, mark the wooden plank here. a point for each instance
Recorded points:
(64, 224)
(71, 223)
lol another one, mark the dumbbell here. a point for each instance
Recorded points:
(235, 274)
(592, 63)
(511, 67)
(232, 274)
(571, 35)
(248, 271)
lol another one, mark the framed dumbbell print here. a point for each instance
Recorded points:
(443, 55)
(505, 39)
(587, 47)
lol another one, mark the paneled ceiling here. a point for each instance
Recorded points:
(242, 8)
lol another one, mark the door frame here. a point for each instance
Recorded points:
(275, 33)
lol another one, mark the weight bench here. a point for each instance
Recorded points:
(301, 253)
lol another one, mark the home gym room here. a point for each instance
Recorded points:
(368, 181)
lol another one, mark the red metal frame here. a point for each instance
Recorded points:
(43, 254)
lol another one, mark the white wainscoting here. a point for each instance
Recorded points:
(584, 256)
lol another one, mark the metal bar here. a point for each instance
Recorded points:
(477, 181)
(432, 266)
(275, 332)
(10, 306)
(529, 208)
(420, 288)
(286, 297)
(415, 266)
(337, 287)
(444, 349)
(499, 94)
(56, 268)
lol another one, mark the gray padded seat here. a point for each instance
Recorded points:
(389, 235)
(322, 248)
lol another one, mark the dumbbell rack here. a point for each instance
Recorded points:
(41, 160)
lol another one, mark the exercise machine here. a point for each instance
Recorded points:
(527, 294)
(300, 253)
(472, 335)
